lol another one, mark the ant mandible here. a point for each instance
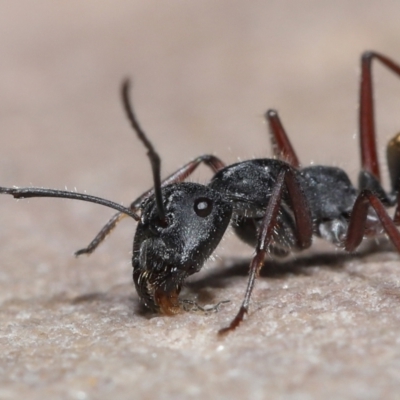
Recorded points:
(273, 204)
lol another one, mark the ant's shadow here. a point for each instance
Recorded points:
(278, 269)
(199, 286)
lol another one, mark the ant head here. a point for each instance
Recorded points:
(180, 226)
(165, 254)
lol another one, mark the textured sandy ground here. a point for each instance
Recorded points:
(322, 324)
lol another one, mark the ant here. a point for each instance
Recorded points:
(275, 205)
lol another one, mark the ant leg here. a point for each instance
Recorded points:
(105, 231)
(396, 218)
(358, 219)
(261, 250)
(281, 146)
(179, 176)
(393, 161)
(304, 233)
(369, 157)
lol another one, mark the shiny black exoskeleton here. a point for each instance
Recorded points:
(164, 255)
(248, 185)
(275, 205)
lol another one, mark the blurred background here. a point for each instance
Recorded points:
(204, 74)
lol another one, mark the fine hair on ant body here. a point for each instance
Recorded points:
(275, 205)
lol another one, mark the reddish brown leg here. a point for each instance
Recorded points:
(369, 157)
(179, 176)
(281, 146)
(358, 219)
(396, 218)
(304, 232)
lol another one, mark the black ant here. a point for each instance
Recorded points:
(273, 204)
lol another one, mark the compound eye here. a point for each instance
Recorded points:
(203, 207)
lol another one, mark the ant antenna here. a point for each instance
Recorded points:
(152, 154)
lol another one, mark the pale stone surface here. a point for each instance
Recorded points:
(321, 325)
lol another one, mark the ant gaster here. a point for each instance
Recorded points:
(273, 204)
